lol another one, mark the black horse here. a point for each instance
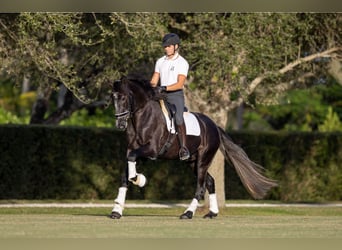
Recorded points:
(138, 112)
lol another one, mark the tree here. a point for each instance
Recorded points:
(81, 52)
(230, 58)
(301, 110)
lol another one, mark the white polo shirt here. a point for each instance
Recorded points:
(169, 69)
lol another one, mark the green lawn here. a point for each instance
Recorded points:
(232, 222)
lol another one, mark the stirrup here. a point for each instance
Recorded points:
(184, 154)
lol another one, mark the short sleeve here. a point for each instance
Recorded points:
(184, 67)
(157, 67)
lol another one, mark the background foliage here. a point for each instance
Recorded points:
(85, 163)
(235, 58)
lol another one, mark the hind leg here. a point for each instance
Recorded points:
(201, 174)
(213, 206)
(204, 181)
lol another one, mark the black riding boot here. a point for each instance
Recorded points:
(184, 153)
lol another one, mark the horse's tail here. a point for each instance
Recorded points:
(250, 173)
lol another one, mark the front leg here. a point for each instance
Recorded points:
(132, 155)
(131, 175)
(134, 177)
(119, 202)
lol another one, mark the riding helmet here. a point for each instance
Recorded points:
(170, 39)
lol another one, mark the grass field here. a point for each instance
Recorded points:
(158, 223)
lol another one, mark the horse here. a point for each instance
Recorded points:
(138, 112)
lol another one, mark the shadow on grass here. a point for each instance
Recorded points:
(140, 212)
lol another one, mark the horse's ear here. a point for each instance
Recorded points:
(124, 79)
(116, 85)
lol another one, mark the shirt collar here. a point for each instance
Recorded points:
(175, 56)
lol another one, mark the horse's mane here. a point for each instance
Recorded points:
(141, 83)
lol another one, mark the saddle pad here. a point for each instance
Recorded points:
(191, 122)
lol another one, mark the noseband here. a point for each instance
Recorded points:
(125, 114)
(122, 114)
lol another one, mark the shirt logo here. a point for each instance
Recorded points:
(172, 68)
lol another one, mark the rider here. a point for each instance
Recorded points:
(172, 70)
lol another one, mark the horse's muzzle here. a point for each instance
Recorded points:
(121, 124)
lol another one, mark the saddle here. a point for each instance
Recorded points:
(191, 122)
(169, 112)
(170, 109)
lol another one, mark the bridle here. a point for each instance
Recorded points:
(126, 114)
(122, 114)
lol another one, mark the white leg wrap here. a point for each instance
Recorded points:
(117, 208)
(141, 180)
(119, 202)
(121, 196)
(213, 207)
(193, 206)
(132, 172)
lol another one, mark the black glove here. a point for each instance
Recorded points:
(160, 89)
(159, 92)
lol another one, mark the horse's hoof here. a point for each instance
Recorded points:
(186, 215)
(210, 215)
(115, 215)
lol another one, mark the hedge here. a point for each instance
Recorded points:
(55, 162)
(307, 165)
